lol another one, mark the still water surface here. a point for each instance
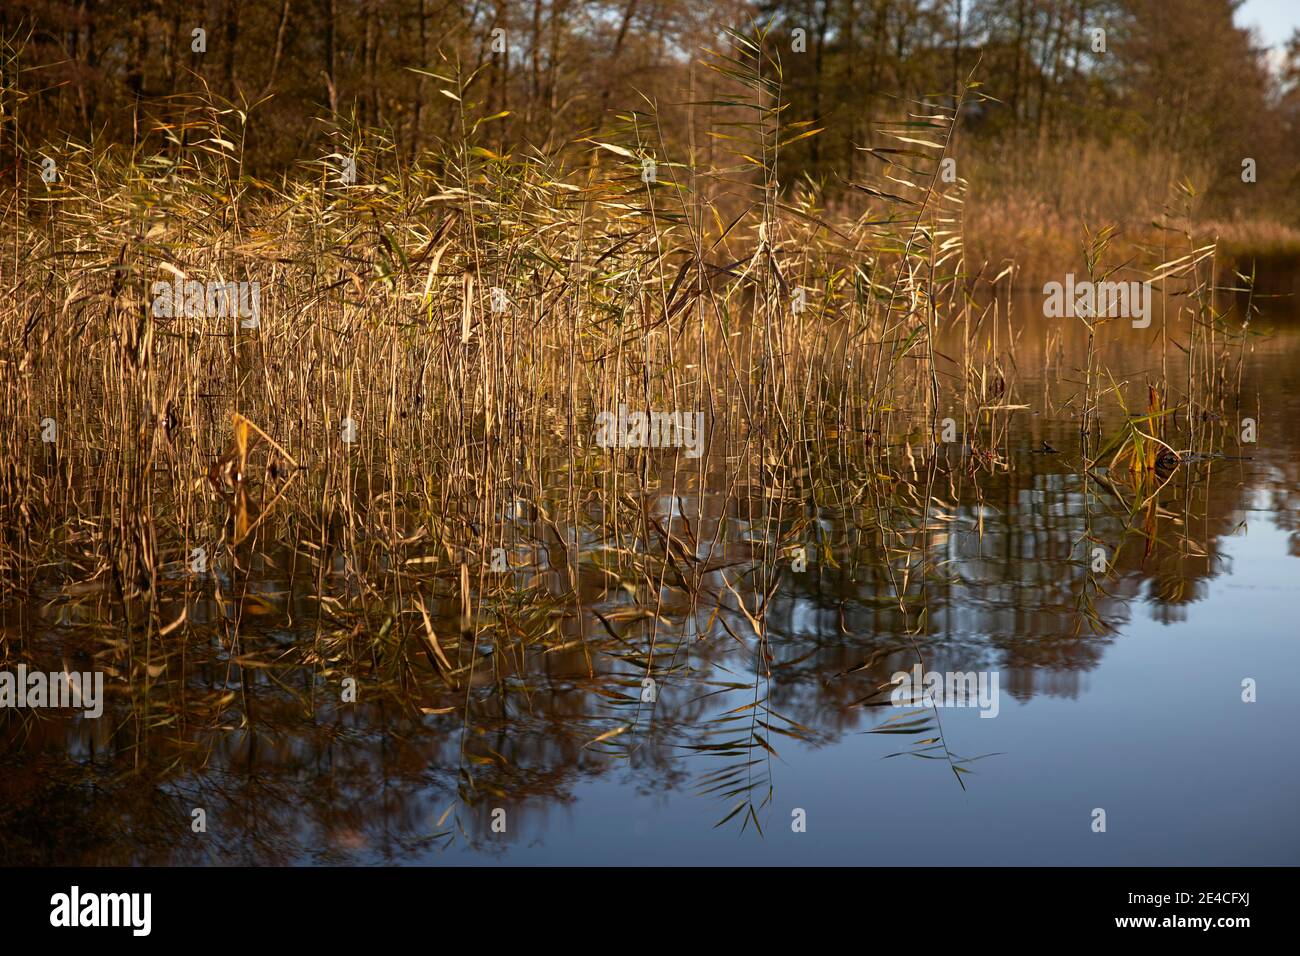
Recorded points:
(1144, 719)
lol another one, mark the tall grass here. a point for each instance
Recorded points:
(435, 342)
(1031, 202)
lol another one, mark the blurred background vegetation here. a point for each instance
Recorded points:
(1070, 135)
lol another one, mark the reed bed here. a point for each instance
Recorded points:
(419, 397)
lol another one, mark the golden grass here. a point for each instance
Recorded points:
(434, 344)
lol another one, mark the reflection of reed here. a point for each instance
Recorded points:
(999, 592)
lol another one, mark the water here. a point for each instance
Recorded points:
(1141, 716)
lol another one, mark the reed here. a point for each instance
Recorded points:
(407, 426)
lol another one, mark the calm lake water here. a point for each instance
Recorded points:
(1142, 717)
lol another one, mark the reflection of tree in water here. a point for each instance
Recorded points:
(416, 767)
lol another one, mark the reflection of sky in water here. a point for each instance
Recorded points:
(1145, 722)
(1158, 736)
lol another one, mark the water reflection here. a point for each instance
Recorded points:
(547, 715)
